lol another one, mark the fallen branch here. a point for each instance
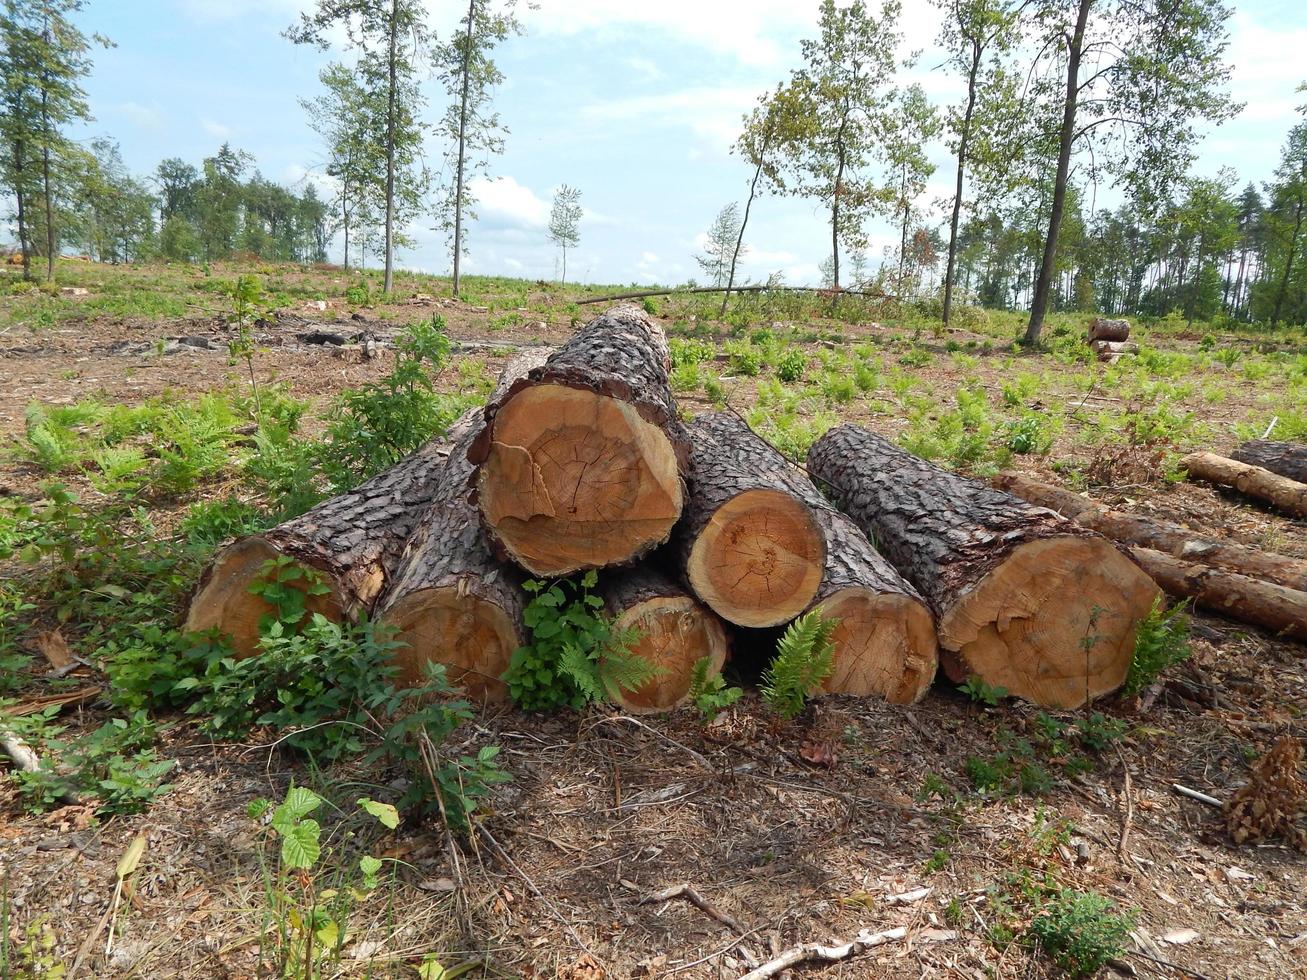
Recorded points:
(826, 954)
(693, 896)
(1193, 794)
(735, 289)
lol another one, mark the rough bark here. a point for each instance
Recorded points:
(1171, 539)
(675, 632)
(1101, 328)
(1287, 459)
(1025, 599)
(580, 463)
(1249, 600)
(1280, 492)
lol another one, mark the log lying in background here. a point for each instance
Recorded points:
(675, 632)
(1287, 459)
(1024, 599)
(1170, 539)
(452, 601)
(354, 540)
(1108, 347)
(1280, 492)
(1248, 600)
(761, 545)
(1101, 328)
(579, 465)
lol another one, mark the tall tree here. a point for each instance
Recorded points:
(471, 126)
(1127, 81)
(905, 154)
(1287, 222)
(720, 243)
(392, 39)
(565, 221)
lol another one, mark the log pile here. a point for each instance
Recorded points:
(1110, 339)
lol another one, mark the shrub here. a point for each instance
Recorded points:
(1081, 931)
(791, 366)
(804, 659)
(1161, 642)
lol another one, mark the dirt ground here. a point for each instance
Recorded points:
(604, 812)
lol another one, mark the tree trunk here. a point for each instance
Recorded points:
(1024, 599)
(355, 540)
(964, 137)
(1288, 459)
(1288, 262)
(45, 182)
(452, 602)
(1280, 492)
(675, 632)
(1249, 600)
(1171, 539)
(1104, 329)
(391, 96)
(1044, 284)
(580, 464)
(24, 238)
(462, 145)
(739, 239)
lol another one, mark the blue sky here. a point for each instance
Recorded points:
(635, 102)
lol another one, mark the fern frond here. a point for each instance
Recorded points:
(581, 671)
(620, 669)
(804, 659)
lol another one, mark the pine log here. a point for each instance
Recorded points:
(1280, 492)
(580, 463)
(1101, 328)
(1287, 459)
(1107, 347)
(1249, 600)
(1024, 598)
(354, 540)
(675, 632)
(761, 545)
(1171, 539)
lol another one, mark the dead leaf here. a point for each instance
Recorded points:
(1238, 874)
(54, 648)
(1179, 937)
(437, 885)
(818, 753)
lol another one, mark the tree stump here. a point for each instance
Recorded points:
(579, 464)
(1024, 598)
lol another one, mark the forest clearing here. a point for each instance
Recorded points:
(174, 416)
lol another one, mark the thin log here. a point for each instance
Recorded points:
(1171, 539)
(1280, 492)
(678, 291)
(1287, 459)
(1025, 599)
(580, 463)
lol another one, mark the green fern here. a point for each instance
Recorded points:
(708, 691)
(804, 659)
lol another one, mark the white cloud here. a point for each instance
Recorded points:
(647, 259)
(710, 112)
(501, 202)
(210, 11)
(215, 129)
(644, 68)
(146, 117)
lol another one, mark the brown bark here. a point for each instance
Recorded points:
(1280, 492)
(675, 632)
(1101, 328)
(1024, 598)
(580, 463)
(1269, 605)
(1171, 539)
(1287, 459)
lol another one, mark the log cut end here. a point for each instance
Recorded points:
(472, 637)
(575, 480)
(758, 561)
(884, 645)
(675, 633)
(224, 602)
(1054, 623)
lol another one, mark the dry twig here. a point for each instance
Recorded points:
(826, 954)
(693, 896)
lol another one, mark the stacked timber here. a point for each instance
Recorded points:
(1110, 339)
(1024, 599)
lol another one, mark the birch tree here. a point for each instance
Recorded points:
(565, 221)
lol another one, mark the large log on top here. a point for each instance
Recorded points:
(353, 540)
(1104, 329)
(1288, 459)
(760, 545)
(579, 465)
(1171, 539)
(1280, 492)
(1024, 598)
(674, 632)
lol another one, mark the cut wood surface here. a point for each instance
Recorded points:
(580, 462)
(675, 632)
(1101, 347)
(1249, 600)
(354, 540)
(761, 545)
(1288, 459)
(1280, 492)
(452, 601)
(1024, 599)
(1101, 328)
(1172, 539)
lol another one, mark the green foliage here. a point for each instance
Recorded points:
(1081, 931)
(1161, 642)
(649, 306)
(1029, 435)
(575, 654)
(286, 585)
(981, 693)
(13, 610)
(210, 523)
(708, 690)
(689, 352)
(804, 659)
(744, 359)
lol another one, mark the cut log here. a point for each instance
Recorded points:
(1101, 328)
(1287, 459)
(580, 463)
(1025, 599)
(1105, 347)
(452, 601)
(761, 545)
(676, 631)
(354, 540)
(1172, 539)
(1249, 600)
(1280, 492)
